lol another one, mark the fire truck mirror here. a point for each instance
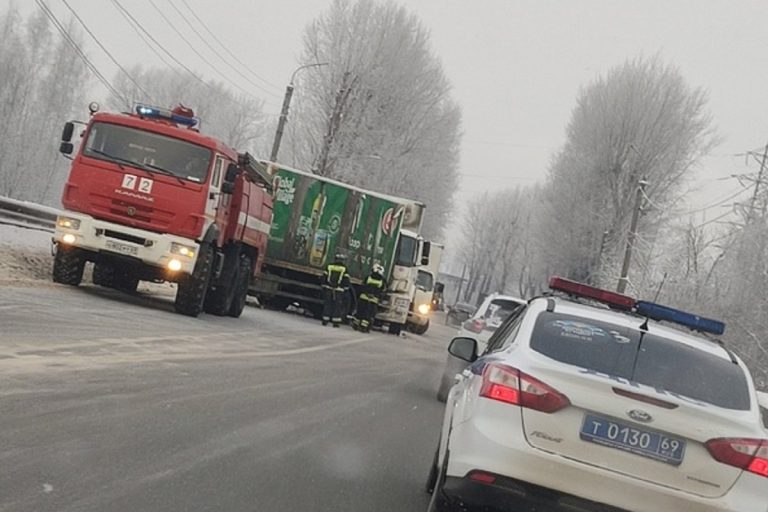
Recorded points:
(227, 187)
(66, 148)
(231, 174)
(66, 133)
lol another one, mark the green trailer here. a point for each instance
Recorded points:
(314, 218)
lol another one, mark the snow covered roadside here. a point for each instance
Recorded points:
(25, 255)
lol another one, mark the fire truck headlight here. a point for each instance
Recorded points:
(174, 265)
(67, 222)
(69, 238)
(182, 250)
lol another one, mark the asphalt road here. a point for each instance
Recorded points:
(111, 402)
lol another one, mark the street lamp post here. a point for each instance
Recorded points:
(284, 111)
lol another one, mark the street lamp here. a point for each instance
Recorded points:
(284, 111)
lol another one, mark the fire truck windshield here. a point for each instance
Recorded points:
(148, 150)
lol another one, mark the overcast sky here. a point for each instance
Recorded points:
(516, 66)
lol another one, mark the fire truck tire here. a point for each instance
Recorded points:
(68, 265)
(241, 287)
(103, 275)
(191, 288)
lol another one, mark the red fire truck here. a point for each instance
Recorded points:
(150, 198)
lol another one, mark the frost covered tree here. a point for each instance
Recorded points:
(236, 119)
(639, 121)
(380, 114)
(41, 88)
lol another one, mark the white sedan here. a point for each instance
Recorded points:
(578, 407)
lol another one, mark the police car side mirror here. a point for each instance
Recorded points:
(464, 349)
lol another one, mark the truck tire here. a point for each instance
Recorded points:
(68, 266)
(192, 288)
(103, 275)
(241, 287)
(395, 329)
(420, 329)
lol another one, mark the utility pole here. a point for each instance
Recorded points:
(342, 94)
(284, 111)
(631, 237)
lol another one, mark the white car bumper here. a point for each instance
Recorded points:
(473, 446)
(98, 236)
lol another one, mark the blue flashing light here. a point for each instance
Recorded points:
(664, 313)
(161, 113)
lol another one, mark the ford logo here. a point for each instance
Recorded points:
(641, 416)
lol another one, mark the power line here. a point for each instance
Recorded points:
(219, 55)
(196, 52)
(135, 26)
(226, 49)
(112, 58)
(63, 31)
(169, 54)
(696, 210)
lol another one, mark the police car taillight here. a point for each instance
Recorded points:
(510, 385)
(613, 299)
(747, 454)
(665, 313)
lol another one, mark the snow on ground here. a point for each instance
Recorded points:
(25, 255)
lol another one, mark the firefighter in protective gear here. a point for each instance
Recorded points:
(373, 289)
(335, 283)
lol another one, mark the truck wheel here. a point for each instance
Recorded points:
(395, 329)
(191, 288)
(104, 275)
(68, 266)
(241, 287)
(420, 329)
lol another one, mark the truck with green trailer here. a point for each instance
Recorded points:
(314, 218)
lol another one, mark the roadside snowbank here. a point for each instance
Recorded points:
(25, 255)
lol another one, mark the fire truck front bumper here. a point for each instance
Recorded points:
(171, 253)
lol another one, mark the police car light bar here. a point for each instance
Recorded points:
(162, 113)
(613, 299)
(695, 322)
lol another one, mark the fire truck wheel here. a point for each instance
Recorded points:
(68, 266)
(104, 275)
(191, 288)
(241, 287)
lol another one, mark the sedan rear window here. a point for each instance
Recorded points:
(499, 310)
(642, 358)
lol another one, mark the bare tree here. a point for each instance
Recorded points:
(380, 115)
(639, 121)
(43, 80)
(236, 119)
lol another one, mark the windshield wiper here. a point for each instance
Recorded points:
(150, 168)
(164, 171)
(116, 159)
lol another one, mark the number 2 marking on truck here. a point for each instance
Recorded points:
(145, 185)
(129, 181)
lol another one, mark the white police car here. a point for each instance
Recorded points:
(577, 407)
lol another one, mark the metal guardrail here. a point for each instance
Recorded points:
(27, 215)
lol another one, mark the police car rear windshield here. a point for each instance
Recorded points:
(641, 358)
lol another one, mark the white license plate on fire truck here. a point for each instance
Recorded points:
(119, 247)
